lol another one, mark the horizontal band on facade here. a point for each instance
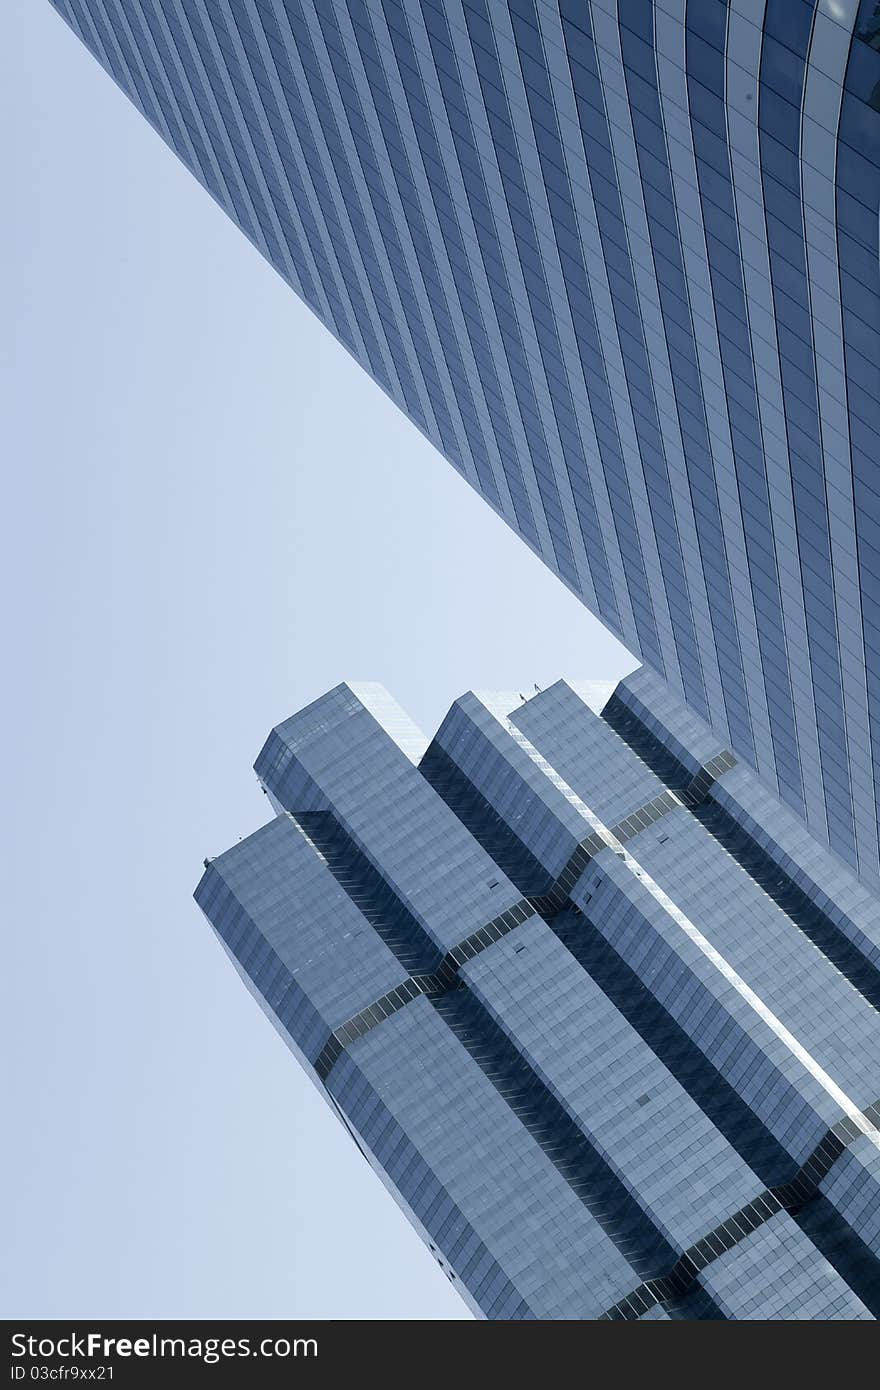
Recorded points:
(436, 982)
(638, 820)
(699, 787)
(632, 825)
(789, 1197)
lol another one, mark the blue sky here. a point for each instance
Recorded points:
(211, 516)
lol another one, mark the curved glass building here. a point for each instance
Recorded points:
(619, 261)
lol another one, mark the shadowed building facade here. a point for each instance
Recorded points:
(587, 996)
(618, 260)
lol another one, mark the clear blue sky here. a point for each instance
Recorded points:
(210, 516)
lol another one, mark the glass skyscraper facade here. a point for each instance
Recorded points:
(586, 994)
(619, 261)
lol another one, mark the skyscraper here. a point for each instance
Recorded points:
(619, 261)
(586, 995)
